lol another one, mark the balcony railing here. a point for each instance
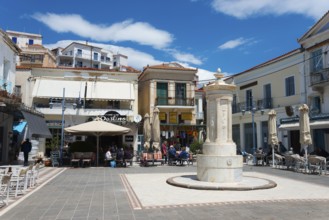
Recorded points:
(175, 101)
(266, 103)
(320, 76)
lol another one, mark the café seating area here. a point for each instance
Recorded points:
(16, 179)
(313, 164)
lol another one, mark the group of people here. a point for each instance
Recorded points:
(119, 154)
(171, 153)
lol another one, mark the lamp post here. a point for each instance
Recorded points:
(62, 127)
(253, 110)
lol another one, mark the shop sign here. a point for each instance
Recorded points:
(187, 116)
(129, 138)
(54, 123)
(173, 117)
(162, 116)
(113, 116)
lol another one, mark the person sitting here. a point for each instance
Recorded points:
(128, 155)
(172, 154)
(108, 156)
(120, 157)
(183, 155)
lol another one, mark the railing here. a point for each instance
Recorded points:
(320, 76)
(266, 103)
(175, 101)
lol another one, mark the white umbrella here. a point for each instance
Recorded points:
(272, 132)
(156, 129)
(98, 127)
(147, 131)
(305, 138)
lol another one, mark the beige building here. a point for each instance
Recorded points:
(276, 84)
(33, 54)
(171, 88)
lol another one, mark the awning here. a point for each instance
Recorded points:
(313, 125)
(19, 126)
(36, 125)
(95, 90)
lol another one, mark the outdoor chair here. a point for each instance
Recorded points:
(316, 164)
(17, 182)
(4, 189)
(35, 175)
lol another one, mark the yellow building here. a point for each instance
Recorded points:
(171, 88)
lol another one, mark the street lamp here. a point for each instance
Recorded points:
(253, 110)
(63, 125)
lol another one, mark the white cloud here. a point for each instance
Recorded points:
(139, 32)
(231, 44)
(185, 57)
(245, 8)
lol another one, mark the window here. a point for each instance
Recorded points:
(316, 105)
(79, 53)
(290, 86)
(114, 104)
(316, 60)
(14, 39)
(234, 104)
(248, 99)
(162, 93)
(180, 94)
(115, 63)
(95, 66)
(95, 56)
(31, 41)
(267, 102)
(79, 64)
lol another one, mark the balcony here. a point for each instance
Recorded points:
(175, 101)
(320, 77)
(266, 103)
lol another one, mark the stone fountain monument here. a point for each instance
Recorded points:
(219, 167)
(219, 161)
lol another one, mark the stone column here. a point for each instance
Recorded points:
(219, 162)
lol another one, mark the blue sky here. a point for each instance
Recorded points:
(233, 35)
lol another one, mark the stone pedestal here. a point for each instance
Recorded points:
(219, 162)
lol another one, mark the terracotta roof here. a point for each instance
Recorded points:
(131, 69)
(172, 66)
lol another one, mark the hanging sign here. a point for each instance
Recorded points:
(162, 116)
(173, 117)
(187, 116)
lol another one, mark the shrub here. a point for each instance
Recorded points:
(196, 147)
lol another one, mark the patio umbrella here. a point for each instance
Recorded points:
(156, 129)
(305, 138)
(272, 132)
(98, 127)
(147, 131)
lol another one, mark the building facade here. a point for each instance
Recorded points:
(87, 94)
(315, 46)
(79, 55)
(276, 84)
(170, 88)
(33, 53)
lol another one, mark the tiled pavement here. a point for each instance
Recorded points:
(140, 193)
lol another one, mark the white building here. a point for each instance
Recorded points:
(88, 94)
(8, 101)
(78, 55)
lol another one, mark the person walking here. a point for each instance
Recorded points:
(26, 148)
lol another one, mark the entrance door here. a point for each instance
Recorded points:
(294, 141)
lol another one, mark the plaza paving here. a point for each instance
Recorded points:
(142, 193)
